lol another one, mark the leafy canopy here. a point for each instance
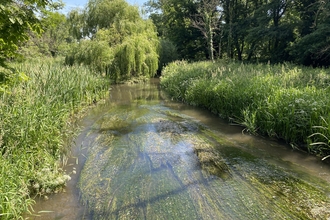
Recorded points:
(17, 18)
(113, 38)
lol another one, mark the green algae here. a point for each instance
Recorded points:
(150, 162)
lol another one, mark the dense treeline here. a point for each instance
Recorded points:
(250, 30)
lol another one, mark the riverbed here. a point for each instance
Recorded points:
(141, 155)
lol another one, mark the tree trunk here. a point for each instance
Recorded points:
(210, 41)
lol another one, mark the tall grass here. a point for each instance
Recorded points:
(283, 101)
(35, 125)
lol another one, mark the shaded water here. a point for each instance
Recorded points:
(142, 156)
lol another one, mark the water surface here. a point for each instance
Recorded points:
(143, 156)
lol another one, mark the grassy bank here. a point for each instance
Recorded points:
(283, 101)
(35, 129)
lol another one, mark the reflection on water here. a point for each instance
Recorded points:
(142, 156)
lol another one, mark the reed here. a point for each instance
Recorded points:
(283, 101)
(36, 129)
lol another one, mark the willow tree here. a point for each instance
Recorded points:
(131, 42)
(135, 49)
(102, 14)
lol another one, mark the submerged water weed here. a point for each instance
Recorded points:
(36, 128)
(290, 193)
(282, 101)
(143, 173)
(168, 166)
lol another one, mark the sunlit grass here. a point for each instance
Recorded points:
(283, 101)
(36, 127)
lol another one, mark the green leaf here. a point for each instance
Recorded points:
(12, 20)
(19, 20)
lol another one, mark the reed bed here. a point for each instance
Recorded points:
(36, 128)
(283, 101)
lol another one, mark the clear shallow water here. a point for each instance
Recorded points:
(142, 156)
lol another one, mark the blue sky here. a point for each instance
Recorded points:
(70, 4)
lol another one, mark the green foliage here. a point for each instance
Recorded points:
(258, 31)
(75, 21)
(16, 20)
(173, 21)
(167, 54)
(96, 54)
(136, 56)
(53, 40)
(123, 46)
(311, 46)
(281, 101)
(35, 130)
(101, 14)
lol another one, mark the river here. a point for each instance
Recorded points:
(143, 156)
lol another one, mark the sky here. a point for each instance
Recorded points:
(70, 4)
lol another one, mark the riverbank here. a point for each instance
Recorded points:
(284, 101)
(37, 119)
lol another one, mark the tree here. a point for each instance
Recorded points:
(17, 18)
(116, 40)
(271, 31)
(76, 23)
(54, 37)
(56, 31)
(101, 14)
(207, 21)
(254, 30)
(312, 45)
(173, 21)
(167, 53)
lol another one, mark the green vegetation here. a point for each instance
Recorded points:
(256, 30)
(119, 42)
(110, 37)
(35, 129)
(39, 99)
(282, 101)
(147, 161)
(30, 27)
(53, 41)
(16, 20)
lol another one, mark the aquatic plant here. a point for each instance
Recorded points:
(152, 162)
(323, 141)
(36, 129)
(282, 101)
